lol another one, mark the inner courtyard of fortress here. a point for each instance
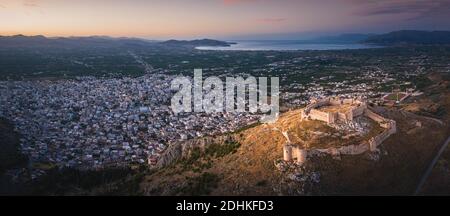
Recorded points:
(337, 111)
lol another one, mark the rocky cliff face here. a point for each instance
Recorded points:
(178, 150)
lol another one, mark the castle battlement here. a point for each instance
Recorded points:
(343, 110)
(354, 108)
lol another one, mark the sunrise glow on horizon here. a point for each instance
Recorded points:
(217, 18)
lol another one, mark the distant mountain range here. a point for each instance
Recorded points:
(195, 43)
(68, 42)
(98, 41)
(344, 38)
(405, 37)
(410, 37)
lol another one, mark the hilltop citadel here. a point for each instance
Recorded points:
(335, 111)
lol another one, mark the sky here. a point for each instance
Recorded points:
(221, 19)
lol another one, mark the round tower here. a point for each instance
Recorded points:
(287, 152)
(301, 156)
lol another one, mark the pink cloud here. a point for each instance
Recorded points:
(383, 7)
(234, 2)
(271, 20)
(31, 3)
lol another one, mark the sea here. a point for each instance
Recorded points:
(282, 45)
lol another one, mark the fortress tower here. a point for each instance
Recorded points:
(331, 111)
(291, 152)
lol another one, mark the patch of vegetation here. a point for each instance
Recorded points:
(246, 127)
(436, 112)
(44, 166)
(128, 186)
(440, 111)
(422, 82)
(199, 160)
(68, 180)
(261, 183)
(200, 185)
(194, 156)
(220, 150)
(10, 155)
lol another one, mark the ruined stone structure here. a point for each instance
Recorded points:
(356, 108)
(313, 112)
(292, 152)
(388, 124)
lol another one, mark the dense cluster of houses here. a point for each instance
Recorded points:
(90, 122)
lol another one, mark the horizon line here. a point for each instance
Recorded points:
(318, 34)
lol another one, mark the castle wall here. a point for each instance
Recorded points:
(335, 102)
(321, 116)
(372, 115)
(320, 103)
(342, 116)
(374, 142)
(311, 111)
(360, 109)
(354, 149)
(332, 118)
(348, 101)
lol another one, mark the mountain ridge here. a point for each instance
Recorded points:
(98, 41)
(410, 37)
(68, 42)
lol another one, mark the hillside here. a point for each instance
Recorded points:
(410, 37)
(243, 163)
(249, 168)
(438, 183)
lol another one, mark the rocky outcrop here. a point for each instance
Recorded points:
(181, 149)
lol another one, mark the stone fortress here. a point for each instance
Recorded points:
(339, 111)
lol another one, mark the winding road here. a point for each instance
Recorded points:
(430, 167)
